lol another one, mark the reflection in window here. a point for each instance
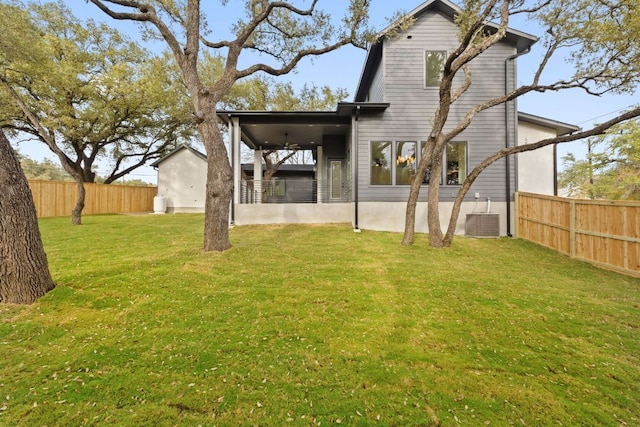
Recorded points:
(380, 163)
(434, 65)
(427, 175)
(336, 179)
(456, 158)
(405, 162)
(276, 187)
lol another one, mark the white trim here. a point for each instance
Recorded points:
(234, 134)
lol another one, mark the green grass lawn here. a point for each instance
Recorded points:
(315, 325)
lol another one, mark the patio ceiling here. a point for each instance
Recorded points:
(279, 130)
(305, 136)
(301, 129)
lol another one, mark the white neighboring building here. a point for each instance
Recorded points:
(182, 180)
(537, 169)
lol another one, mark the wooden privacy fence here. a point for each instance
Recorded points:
(54, 198)
(605, 233)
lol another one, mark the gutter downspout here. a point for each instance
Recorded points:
(354, 156)
(506, 131)
(555, 169)
(232, 219)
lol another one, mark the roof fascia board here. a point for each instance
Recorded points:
(561, 127)
(176, 151)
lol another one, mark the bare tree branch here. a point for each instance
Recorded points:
(292, 63)
(465, 85)
(147, 14)
(531, 10)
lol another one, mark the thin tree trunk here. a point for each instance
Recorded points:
(24, 272)
(76, 213)
(433, 203)
(410, 213)
(412, 202)
(455, 211)
(414, 192)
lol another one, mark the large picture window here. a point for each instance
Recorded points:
(456, 162)
(395, 163)
(405, 162)
(381, 163)
(434, 65)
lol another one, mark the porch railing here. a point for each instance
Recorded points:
(293, 190)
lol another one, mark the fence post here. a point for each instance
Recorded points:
(626, 232)
(517, 209)
(572, 228)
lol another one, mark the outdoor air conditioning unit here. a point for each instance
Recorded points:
(483, 225)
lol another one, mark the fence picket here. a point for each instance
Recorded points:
(54, 198)
(603, 232)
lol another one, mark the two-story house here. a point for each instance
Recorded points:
(365, 153)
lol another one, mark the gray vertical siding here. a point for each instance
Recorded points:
(376, 91)
(412, 108)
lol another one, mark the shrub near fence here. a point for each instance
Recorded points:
(605, 233)
(55, 198)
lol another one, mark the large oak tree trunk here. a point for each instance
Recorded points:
(24, 272)
(219, 190)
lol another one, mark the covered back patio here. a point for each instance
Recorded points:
(317, 187)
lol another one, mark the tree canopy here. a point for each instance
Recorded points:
(611, 169)
(46, 170)
(270, 38)
(94, 94)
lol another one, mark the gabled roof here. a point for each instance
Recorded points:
(560, 127)
(176, 151)
(522, 41)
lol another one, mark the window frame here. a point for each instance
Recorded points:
(391, 161)
(427, 84)
(395, 154)
(445, 169)
(419, 147)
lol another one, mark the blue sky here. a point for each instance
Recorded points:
(342, 69)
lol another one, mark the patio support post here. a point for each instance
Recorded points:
(234, 131)
(354, 169)
(320, 174)
(257, 176)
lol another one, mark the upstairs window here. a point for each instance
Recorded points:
(434, 65)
